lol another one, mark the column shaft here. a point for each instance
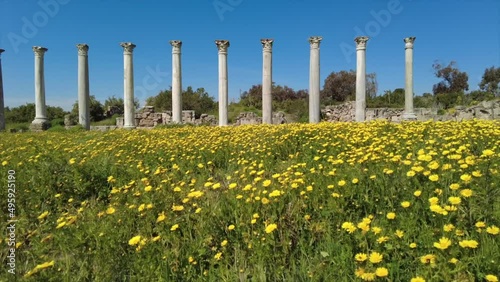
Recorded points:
(314, 82)
(222, 45)
(2, 106)
(40, 122)
(409, 112)
(83, 86)
(176, 81)
(128, 85)
(267, 81)
(361, 78)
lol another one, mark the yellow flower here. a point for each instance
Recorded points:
(110, 210)
(341, 183)
(38, 268)
(453, 260)
(349, 227)
(434, 177)
(488, 153)
(413, 245)
(480, 224)
(271, 227)
(468, 244)
(405, 204)
(148, 188)
(382, 239)
(466, 193)
(417, 279)
(454, 186)
(376, 257)
(161, 217)
(454, 200)
(60, 225)
(223, 243)
(466, 177)
(230, 227)
(265, 201)
(491, 278)
(448, 227)
(410, 173)
(368, 276)
(218, 256)
(72, 161)
(232, 185)
(381, 272)
(428, 259)
(174, 227)
(433, 201)
(494, 230)
(391, 215)
(156, 238)
(4, 163)
(266, 183)
(359, 272)
(177, 208)
(275, 193)
(43, 215)
(399, 233)
(361, 257)
(417, 193)
(135, 240)
(443, 243)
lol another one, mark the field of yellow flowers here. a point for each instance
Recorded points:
(378, 201)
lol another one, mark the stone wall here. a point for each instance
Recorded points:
(147, 117)
(346, 112)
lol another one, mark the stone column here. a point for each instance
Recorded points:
(2, 106)
(83, 86)
(361, 77)
(40, 122)
(222, 45)
(128, 85)
(176, 81)
(267, 80)
(314, 83)
(409, 114)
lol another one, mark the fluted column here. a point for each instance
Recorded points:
(361, 77)
(41, 121)
(314, 83)
(267, 80)
(409, 113)
(83, 86)
(222, 45)
(176, 81)
(2, 106)
(128, 85)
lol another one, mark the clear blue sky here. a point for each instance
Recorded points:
(465, 31)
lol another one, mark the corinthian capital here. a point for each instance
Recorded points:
(361, 42)
(83, 49)
(409, 42)
(176, 43)
(128, 47)
(1, 51)
(314, 41)
(267, 44)
(39, 51)
(222, 45)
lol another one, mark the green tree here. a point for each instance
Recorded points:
(199, 101)
(390, 99)
(341, 86)
(453, 80)
(491, 80)
(96, 110)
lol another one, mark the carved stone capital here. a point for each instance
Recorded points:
(222, 45)
(83, 49)
(39, 51)
(176, 43)
(128, 48)
(314, 41)
(361, 42)
(409, 42)
(1, 51)
(267, 44)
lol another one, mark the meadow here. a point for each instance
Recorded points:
(377, 201)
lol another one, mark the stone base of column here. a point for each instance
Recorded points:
(409, 116)
(39, 125)
(129, 127)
